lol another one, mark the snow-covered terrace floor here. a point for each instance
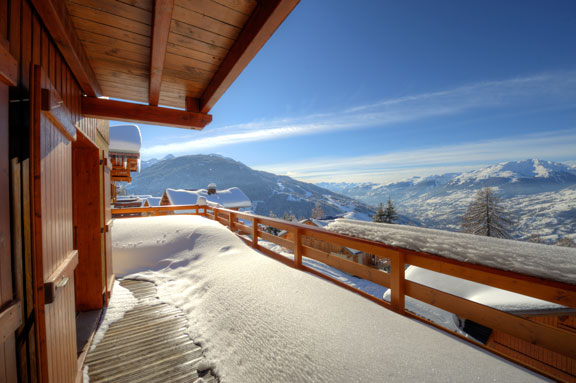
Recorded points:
(261, 321)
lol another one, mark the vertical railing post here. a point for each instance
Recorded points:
(397, 285)
(215, 213)
(298, 248)
(231, 221)
(255, 232)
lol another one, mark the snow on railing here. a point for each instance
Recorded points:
(250, 228)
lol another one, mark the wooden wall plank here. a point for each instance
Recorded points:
(8, 67)
(26, 53)
(54, 14)
(14, 36)
(4, 20)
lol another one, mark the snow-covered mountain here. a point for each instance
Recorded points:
(540, 196)
(152, 161)
(268, 192)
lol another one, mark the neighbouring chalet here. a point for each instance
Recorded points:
(344, 252)
(124, 151)
(153, 201)
(66, 68)
(232, 198)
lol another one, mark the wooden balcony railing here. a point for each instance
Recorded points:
(250, 228)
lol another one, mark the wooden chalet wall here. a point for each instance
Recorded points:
(41, 191)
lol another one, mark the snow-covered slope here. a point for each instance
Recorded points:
(268, 192)
(260, 321)
(540, 195)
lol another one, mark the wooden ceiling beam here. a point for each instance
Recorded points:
(160, 31)
(267, 17)
(57, 20)
(145, 114)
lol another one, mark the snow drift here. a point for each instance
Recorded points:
(260, 321)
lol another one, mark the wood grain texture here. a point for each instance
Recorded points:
(10, 311)
(123, 111)
(8, 67)
(548, 337)
(87, 193)
(160, 31)
(55, 16)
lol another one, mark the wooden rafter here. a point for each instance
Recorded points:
(264, 21)
(146, 114)
(160, 31)
(55, 16)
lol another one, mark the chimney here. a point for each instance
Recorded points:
(211, 189)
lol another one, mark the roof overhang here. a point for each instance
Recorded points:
(163, 54)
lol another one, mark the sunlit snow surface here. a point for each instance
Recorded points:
(261, 321)
(550, 262)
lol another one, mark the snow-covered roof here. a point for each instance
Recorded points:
(264, 322)
(539, 260)
(125, 139)
(232, 198)
(154, 201)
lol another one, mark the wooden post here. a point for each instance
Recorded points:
(255, 232)
(231, 221)
(215, 210)
(297, 248)
(397, 282)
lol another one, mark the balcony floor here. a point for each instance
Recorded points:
(149, 344)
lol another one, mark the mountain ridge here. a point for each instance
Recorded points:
(539, 194)
(268, 192)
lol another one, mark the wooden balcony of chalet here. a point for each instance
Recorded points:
(69, 66)
(546, 345)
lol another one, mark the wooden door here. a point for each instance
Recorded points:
(10, 310)
(54, 256)
(87, 224)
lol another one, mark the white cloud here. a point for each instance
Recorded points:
(542, 90)
(392, 166)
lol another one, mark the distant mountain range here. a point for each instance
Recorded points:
(540, 196)
(268, 192)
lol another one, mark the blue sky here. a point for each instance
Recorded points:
(383, 90)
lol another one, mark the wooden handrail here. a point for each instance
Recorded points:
(536, 333)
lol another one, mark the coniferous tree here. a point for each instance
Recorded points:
(380, 215)
(390, 215)
(565, 242)
(535, 238)
(317, 211)
(486, 216)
